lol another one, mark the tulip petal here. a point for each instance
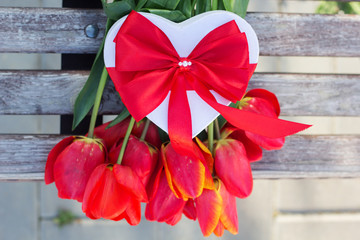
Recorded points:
(219, 230)
(153, 136)
(266, 95)
(130, 181)
(93, 186)
(141, 158)
(208, 210)
(233, 167)
(229, 217)
(108, 199)
(54, 153)
(187, 174)
(174, 219)
(133, 212)
(165, 204)
(74, 166)
(208, 162)
(253, 151)
(190, 210)
(153, 183)
(265, 142)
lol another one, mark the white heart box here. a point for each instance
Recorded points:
(184, 37)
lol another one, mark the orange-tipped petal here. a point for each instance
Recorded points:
(54, 153)
(219, 230)
(233, 167)
(130, 181)
(229, 217)
(208, 210)
(165, 205)
(190, 210)
(105, 198)
(187, 174)
(208, 162)
(74, 166)
(207, 155)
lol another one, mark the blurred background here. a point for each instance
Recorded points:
(277, 209)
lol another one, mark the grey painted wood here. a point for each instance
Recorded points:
(23, 157)
(54, 92)
(62, 31)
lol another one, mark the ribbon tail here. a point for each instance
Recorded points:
(248, 121)
(179, 119)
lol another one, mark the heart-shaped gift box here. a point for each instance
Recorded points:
(184, 37)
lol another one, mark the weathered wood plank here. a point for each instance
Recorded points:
(23, 157)
(54, 92)
(62, 31)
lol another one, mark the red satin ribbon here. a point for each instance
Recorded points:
(147, 68)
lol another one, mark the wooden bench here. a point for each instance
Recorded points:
(34, 30)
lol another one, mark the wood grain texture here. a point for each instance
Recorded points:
(62, 31)
(54, 92)
(23, 157)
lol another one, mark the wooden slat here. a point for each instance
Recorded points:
(23, 157)
(62, 31)
(53, 92)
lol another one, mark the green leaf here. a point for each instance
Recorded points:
(124, 114)
(140, 5)
(221, 5)
(117, 10)
(202, 6)
(175, 16)
(85, 99)
(237, 6)
(162, 4)
(185, 7)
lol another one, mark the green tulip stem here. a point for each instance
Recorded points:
(211, 137)
(144, 132)
(98, 97)
(125, 141)
(217, 129)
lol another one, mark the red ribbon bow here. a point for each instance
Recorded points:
(147, 67)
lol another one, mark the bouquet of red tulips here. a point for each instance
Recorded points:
(121, 164)
(117, 168)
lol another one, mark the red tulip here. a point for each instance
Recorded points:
(140, 156)
(233, 167)
(262, 102)
(165, 206)
(70, 164)
(114, 192)
(216, 211)
(187, 176)
(115, 133)
(253, 151)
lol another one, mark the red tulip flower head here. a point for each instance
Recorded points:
(233, 167)
(216, 211)
(70, 164)
(187, 176)
(114, 192)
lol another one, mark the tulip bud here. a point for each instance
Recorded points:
(70, 164)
